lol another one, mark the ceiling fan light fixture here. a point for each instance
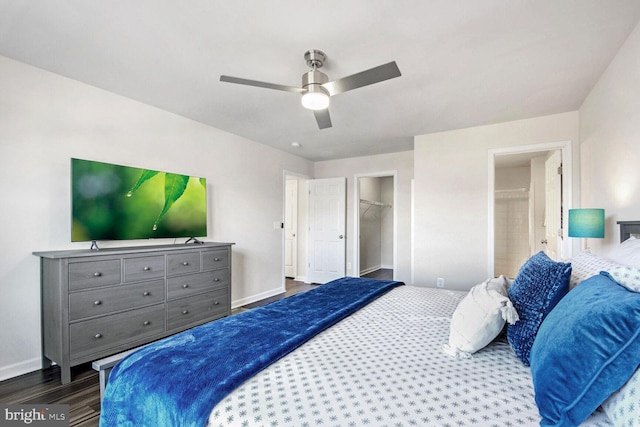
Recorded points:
(316, 98)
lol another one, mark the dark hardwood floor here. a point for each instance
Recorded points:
(82, 394)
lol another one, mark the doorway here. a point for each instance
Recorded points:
(529, 194)
(375, 223)
(294, 244)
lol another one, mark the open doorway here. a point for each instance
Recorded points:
(375, 223)
(295, 227)
(529, 195)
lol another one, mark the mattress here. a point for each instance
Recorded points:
(384, 366)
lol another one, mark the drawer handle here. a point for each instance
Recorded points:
(145, 294)
(97, 336)
(147, 268)
(217, 279)
(146, 323)
(185, 311)
(185, 263)
(216, 259)
(186, 285)
(97, 274)
(216, 303)
(97, 302)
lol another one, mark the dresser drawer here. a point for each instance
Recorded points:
(94, 273)
(185, 311)
(144, 268)
(98, 335)
(188, 262)
(104, 301)
(215, 259)
(183, 286)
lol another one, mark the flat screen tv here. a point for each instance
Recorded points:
(114, 202)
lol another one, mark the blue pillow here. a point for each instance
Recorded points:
(539, 285)
(587, 348)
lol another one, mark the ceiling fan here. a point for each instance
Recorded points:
(316, 87)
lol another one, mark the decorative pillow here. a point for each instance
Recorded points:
(623, 406)
(586, 264)
(627, 253)
(628, 277)
(480, 317)
(585, 350)
(539, 285)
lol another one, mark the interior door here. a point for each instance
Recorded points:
(327, 224)
(553, 205)
(291, 228)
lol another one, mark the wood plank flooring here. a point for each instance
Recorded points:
(82, 394)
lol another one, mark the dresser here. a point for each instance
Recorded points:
(97, 303)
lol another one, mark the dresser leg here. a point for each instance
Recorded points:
(65, 374)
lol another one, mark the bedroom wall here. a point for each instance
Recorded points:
(450, 233)
(402, 163)
(386, 222)
(610, 143)
(45, 119)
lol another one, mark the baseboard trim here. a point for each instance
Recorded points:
(369, 270)
(258, 297)
(21, 368)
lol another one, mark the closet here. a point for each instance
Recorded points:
(375, 223)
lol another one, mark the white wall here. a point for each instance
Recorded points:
(386, 221)
(46, 119)
(402, 163)
(451, 194)
(610, 143)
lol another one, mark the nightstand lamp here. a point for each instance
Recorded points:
(586, 223)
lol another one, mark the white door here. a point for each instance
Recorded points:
(327, 238)
(553, 205)
(291, 228)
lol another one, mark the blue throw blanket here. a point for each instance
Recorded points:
(178, 380)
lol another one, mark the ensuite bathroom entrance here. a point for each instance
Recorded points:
(528, 204)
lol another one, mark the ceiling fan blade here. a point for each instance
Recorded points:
(363, 78)
(257, 83)
(323, 118)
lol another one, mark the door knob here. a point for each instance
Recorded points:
(341, 237)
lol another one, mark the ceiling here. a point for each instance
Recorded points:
(464, 63)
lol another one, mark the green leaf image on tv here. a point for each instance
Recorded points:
(114, 202)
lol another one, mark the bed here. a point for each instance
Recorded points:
(380, 353)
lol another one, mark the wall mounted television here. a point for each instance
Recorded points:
(115, 202)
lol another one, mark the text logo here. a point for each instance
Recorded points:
(34, 415)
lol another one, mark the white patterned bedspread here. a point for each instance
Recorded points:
(384, 366)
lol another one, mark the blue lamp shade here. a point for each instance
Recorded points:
(586, 223)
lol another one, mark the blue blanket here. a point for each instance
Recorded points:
(178, 380)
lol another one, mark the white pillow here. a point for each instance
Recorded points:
(627, 253)
(623, 406)
(585, 265)
(480, 317)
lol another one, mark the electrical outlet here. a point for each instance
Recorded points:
(440, 282)
(348, 266)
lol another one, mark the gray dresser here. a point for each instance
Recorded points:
(97, 303)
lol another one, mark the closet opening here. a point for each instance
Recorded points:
(375, 226)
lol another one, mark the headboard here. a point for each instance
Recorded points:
(627, 228)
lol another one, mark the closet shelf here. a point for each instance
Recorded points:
(373, 203)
